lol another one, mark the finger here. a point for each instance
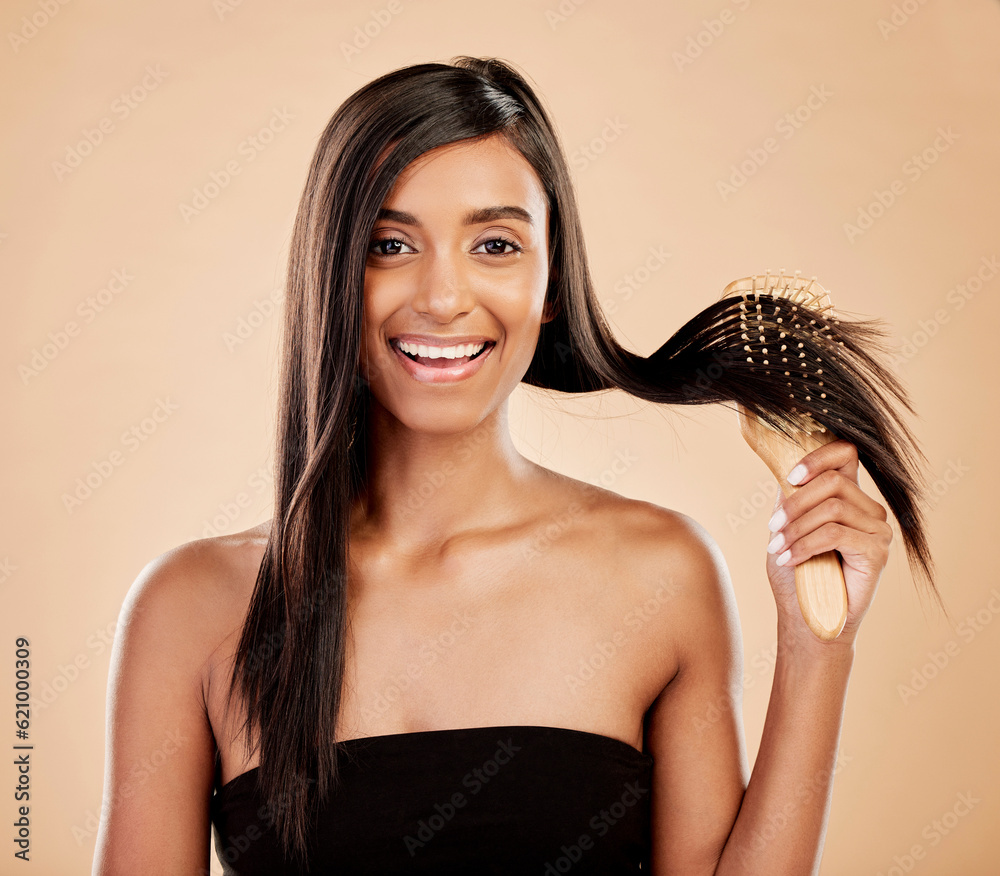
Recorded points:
(858, 550)
(839, 455)
(826, 485)
(831, 510)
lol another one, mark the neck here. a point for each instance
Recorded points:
(424, 488)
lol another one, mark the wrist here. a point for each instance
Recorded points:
(798, 642)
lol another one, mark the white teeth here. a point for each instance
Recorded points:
(427, 352)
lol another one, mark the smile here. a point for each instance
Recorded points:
(429, 363)
(424, 351)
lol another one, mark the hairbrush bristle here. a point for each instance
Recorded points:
(793, 287)
(838, 378)
(804, 369)
(779, 314)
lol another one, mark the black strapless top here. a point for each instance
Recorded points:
(482, 800)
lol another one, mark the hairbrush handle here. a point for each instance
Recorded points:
(819, 581)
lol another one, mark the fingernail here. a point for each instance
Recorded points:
(784, 558)
(780, 519)
(776, 544)
(796, 474)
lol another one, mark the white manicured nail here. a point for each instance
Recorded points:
(796, 474)
(780, 519)
(784, 558)
(777, 543)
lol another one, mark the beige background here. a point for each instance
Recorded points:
(651, 133)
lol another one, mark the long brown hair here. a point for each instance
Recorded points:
(290, 660)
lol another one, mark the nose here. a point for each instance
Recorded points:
(444, 287)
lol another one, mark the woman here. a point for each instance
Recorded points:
(397, 673)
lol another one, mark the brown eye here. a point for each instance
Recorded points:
(499, 246)
(387, 246)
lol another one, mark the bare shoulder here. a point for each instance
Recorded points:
(174, 615)
(198, 589)
(657, 538)
(664, 554)
(185, 609)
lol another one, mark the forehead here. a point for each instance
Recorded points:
(469, 173)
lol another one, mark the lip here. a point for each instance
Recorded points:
(427, 374)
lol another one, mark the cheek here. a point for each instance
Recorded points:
(526, 307)
(372, 347)
(381, 296)
(521, 319)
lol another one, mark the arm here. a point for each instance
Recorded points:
(707, 819)
(159, 761)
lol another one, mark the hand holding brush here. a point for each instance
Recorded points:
(792, 337)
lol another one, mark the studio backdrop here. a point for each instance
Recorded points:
(153, 155)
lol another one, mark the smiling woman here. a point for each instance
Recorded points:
(455, 285)
(511, 674)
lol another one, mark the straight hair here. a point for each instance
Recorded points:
(290, 660)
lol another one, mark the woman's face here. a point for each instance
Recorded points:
(455, 285)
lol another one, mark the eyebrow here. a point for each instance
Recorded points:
(473, 217)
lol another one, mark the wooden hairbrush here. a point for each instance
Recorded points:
(770, 342)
